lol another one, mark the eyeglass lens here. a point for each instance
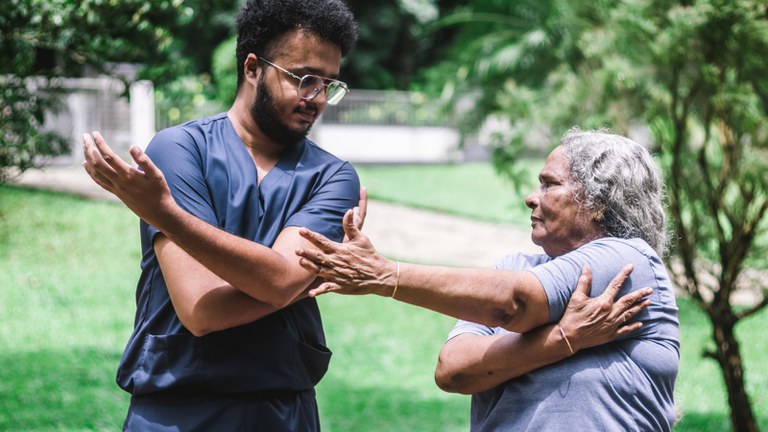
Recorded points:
(311, 85)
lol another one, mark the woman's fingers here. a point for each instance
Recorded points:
(615, 286)
(361, 211)
(307, 263)
(324, 288)
(627, 315)
(630, 305)
(351, 230)
(320, 241)
(584, 285)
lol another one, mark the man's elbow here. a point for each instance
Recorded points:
(198, 322)
(198, 328)
(280, 294)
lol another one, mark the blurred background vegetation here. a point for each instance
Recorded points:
(685, 77)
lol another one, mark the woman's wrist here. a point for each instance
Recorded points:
(397, 279)
(564, 340)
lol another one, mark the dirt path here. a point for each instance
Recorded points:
(397, 231)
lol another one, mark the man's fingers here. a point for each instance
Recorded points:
(97, 178)
(92, 155)
(615, 286)
(108, 155)
(146, 166)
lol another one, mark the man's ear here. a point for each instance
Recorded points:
(251, 68)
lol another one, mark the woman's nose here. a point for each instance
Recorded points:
(531, 200)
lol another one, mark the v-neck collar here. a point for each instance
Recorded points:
(286, 164)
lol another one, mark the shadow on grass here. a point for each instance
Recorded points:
(345, 406)
(61, 390)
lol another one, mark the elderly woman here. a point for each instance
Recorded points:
(598, 206)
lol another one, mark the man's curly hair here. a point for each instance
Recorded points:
(261, 22)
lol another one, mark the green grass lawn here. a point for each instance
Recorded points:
(472, 190)
(68, 269)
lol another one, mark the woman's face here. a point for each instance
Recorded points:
(559, 224)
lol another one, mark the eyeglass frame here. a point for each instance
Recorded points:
(326, 83)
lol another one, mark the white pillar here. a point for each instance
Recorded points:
(77, 104)
(142, 113)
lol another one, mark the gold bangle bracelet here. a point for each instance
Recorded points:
(565, 338)
(397, 279)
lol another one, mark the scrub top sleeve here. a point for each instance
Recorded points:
(325, 210)
(175, 152)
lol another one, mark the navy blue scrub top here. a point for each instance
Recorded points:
(212, 176)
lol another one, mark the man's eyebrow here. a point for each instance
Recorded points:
(309, 70)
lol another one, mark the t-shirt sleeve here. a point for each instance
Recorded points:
(324, 211)
(514, 262)
(175, 153)
(560, 276)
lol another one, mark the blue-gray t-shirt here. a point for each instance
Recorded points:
(625, 385)
(212, 176)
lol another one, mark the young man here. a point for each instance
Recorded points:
(225, 336)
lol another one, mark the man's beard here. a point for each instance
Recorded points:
(265, 113)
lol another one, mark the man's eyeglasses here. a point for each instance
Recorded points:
(311, 85)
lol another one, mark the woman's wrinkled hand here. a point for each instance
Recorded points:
(352, 267)
(594, 321)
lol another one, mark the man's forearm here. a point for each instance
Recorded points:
(255, 269)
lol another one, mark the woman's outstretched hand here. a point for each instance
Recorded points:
(352, 267)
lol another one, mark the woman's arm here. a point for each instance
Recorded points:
(513, 300)
(471, 363)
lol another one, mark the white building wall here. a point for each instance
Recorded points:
(389, 144)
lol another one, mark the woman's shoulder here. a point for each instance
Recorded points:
(620, 245)
(521, 261)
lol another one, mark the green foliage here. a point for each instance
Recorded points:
(67, 38)
(470, 190)
(40, 39)
(224, 69)
(396, 42)
(22, 140)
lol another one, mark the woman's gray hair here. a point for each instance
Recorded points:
(620, 184)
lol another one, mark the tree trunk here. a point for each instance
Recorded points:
(729, 356)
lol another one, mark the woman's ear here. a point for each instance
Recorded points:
(599, 215)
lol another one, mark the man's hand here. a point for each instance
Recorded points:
(143, 190)
(589, 322)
